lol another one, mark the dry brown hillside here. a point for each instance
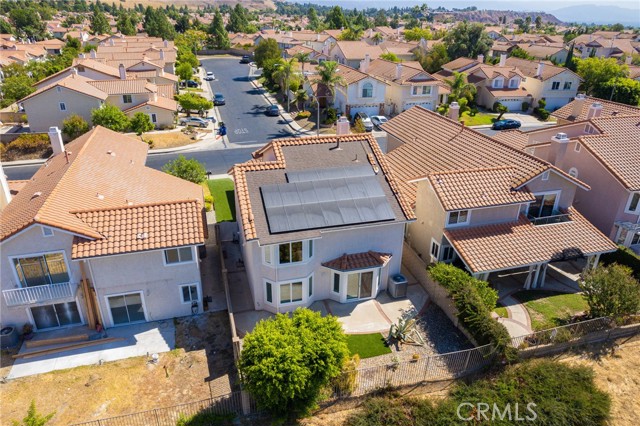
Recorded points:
(250, 4)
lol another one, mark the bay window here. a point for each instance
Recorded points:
(289, 292)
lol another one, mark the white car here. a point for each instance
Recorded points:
(378, 120)
(210, 76)
(366, 121)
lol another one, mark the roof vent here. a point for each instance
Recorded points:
(142, 235)
(36, 194)
(100, 196)
(111, 153)
(562, 136)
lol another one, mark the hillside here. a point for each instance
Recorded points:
(249, 4)
(492, 16)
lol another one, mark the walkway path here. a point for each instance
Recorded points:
(518, 324)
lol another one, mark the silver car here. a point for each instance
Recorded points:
(366, 121)
(378, 120)
(194, 122)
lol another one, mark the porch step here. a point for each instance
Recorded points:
(68, 347)
(56, 340)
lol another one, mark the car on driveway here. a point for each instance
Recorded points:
(366, 121)
(194, 122)
(245, 59)
(506, 124)
(273, 111)
(218, 99)
(378, 120)
(189, 83)
(210, 76)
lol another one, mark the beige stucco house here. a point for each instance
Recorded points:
(95, 237)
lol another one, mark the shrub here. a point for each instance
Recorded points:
(541, 113)
(303, 114)
(111, 117)
(191, 170)
(74, 126)
(29, 144)
(208, 202)
(33, 418)
(345, 383)
(205, 419)
(623, 256)
(332, 116)
(525, 106)
(141, 123)
(358, 126)
(611, 291)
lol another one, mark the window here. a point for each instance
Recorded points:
(367, 90)
(545, 175)
(622, 236)
(635, 239)
(154, 118)
(269, 292)
(567, 85)
(47, 232)
(336, 283)
(126, 99)
(421, 90)
(435, 249)
(58, 89)
(458, 218)
(513, 83)
(311, 286)
(360, 285)
(189, 293)
(555, 85)
(41, 269)
(291, 292)
(80, 68)
(179, 255)
(447, 253)
(291, 252)
(267, 254)
(498, 83)
(573, 172)
(62, 106)
(544, 205)
(577, 148)
(634, 200)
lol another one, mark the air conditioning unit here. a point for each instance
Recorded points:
(397, 286)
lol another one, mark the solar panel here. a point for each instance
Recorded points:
(322, 198)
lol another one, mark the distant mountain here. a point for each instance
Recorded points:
(592, 14)
(493, 16)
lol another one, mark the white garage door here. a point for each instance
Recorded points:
(514, 105)
(427, 105)
(369, 110)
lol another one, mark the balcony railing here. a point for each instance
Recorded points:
(39, 294)
(547, 220)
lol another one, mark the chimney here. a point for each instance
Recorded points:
(454, 111)
(578, 104)
(166, 43)
(93, 55)
(628, 60)
(123, 72)
(5, 193)
(162, 54)
(154, 96)
(82, 56)
(481, 58)
(423, 44)
(558, 149)
(594, 110)
(540, 68)
(364, 64)
(112, 42)
(503, 59)
(342, 128)
(56, 140)
(318, 37)
(398, 71)
(74, 71)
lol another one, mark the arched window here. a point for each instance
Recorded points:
(573, 172)
(367, 90)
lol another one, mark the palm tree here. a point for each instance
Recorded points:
(329, 77)
(301, 97)
(377, 38)
(460, 87)
(303, 58)
(285, 70)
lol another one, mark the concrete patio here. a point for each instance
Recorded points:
(139, 340)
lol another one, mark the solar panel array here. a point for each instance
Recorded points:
(322, 198)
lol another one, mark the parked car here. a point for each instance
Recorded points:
(210, 76)
(189, 83)
(506, 124)
(218, 99)
(194, 121)
(378, 120)
(245, 59)
(368, 125)
(273, 111)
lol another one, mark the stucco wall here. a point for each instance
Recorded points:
(555, 183)
(164, 117)
(430, 221)
(43, 110)
(136, 99)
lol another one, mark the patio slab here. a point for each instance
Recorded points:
(139, 340)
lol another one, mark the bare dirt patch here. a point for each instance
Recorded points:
(168, 139)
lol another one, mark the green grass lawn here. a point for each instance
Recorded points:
(479, 119)
(550, 309)
(224, 202)
(367, 345)
(502, 311)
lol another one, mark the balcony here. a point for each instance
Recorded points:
(556, 217)
(39, 294)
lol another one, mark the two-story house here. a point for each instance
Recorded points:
(491, 206)
(351, 53)
(580, 109)
(95, 237)
(320, 218)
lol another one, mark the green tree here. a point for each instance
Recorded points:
(99, 22)
(358, 126)
(140, 123)
(193, 102)
(184, 71)
(467, 39)
(15, 88)
(74, 126)
(111, 117)
(156, 24)
(301, 98)
(314, 22)
(538, 22)
(500, 109)
(286, 361)
(380, 19)
(28, 23)
(335, 19)
(611, 291)
(182, 23)
(623, 90)
(433, 60)
(283, 74)
(187, 169)
(267, 50)
(5, 27)
(33, 418)
(460, 87)
(597, 71)
(617, 27)
(390, 56)
(238, 21)
(126, 24)
(519, 52)
(219, 35)
(353, 33)
(570, 63)
(329, 77)
(415, 34)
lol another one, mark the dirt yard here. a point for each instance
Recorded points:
(172, 139)
(193, 372)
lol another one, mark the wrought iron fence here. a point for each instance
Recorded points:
(563, 334)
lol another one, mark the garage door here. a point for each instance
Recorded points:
(427, 105)
(514, 105)
(369, 110)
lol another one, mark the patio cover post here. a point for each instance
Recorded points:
(543, 275)
(88, 298)
(527, 283)
(535, 280)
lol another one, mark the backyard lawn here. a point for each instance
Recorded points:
(501, 311)
(367, 345)
(224, 202)
(550, 309)
(479, 119)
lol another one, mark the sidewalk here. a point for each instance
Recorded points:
(518, 324)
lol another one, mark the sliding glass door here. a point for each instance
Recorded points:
(56, 315)
(359, 285)
(126, 308)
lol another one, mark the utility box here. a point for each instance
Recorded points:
(397, 286)
(342, 126)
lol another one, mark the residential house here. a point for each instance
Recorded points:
(580, 108)
(95, 237)
(341, 234)
(484, 203)
(556, 53)
(314, 55)
(557, 85)
(352, 52)
(602, 46)
(403, 50)
(53, 46)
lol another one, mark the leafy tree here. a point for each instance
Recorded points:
(500, 109)
(597, 71)
(28, 23)
(415, 34)
(219, 35)
(267, 50)
(617, 27)
(238, 21)
(611, 291)
(538, 22)
(570, 63)
(302, 58)
(329, 77)
(187, 169)
(156, 24)
(33, 418)
(301, 98)
(335, 19)
(111, 117)
(5, 27)
(519, 52)
(467, 39)
(380, 19)
(353, 33)
(73, 43)
(412, 24)
(287, 360)
(140, 123)
(460, 87)
(182, 23)
(390, 56)
(15, 88)
(126, 24)
(99, 22)
(314, 22)
(283, 74)
(74, 126)
(184, 71)
(395, 21)
(358, 126)
(193, 102)
(623, 90)
(434, 59)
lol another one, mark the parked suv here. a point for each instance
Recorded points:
(245, 59)
(368, 125)
(194, 121)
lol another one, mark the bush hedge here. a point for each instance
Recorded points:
(28, 145)
(303, 114)
(623, 256)
(474, 300)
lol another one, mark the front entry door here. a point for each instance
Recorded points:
(57, 315)
(126, 308)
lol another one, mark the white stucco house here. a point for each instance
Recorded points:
(319, 218)
(95, 237)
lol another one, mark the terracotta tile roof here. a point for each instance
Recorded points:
(16, 185)
(608, 109)
(519, 92)
(152, 74)
(73, 82)
(352, 262)
(140, 228)
(460, 63)
(306, 153)
(634, 71)
(166, 90)
(509, 245)
(530, 68)
(97, 66)
(102, 170)
(160, 102)
(399, 47)
(353, 50)
(492, 71)
(386, 70)
(541, 51)
(128, 86)
(474, 188)
(433, 143)
(514, 138)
